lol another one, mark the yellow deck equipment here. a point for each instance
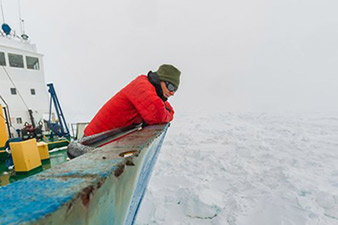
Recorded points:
(3, 129)
(43, 150)
(25, 155)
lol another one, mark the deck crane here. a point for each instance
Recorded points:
(60, 127)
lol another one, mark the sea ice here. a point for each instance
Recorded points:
(246, 169)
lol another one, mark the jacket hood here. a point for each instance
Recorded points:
(155, 81)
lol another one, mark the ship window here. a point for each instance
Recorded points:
(32, 63)
(33, 91)
(13, 91)
(15, 60)
(19, 120)
(2, 59)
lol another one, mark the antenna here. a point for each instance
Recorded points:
(2, 12)
(24, 36)
(5, 27)
(20, 17)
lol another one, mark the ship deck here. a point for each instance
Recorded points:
(57, 156)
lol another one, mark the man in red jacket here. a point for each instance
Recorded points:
(144, 100)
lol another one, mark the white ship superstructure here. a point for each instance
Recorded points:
(22, 82)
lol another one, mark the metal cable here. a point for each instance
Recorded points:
(9, 77)
(5, 120)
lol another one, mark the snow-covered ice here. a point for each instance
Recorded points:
(246, 169)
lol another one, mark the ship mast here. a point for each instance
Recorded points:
(22, 26)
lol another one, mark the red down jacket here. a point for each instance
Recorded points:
(137, 102)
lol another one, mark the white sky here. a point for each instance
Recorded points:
(235, 55)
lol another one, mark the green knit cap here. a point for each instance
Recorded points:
(169, 73)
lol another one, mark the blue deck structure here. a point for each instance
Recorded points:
(105, 186)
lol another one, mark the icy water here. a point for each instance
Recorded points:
(56, 157)
(240, 169)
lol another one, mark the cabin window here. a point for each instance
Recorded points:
(15, 60)
(32, 63)
(32, 91)
(19, 120)
(13, 91)
(2, 59)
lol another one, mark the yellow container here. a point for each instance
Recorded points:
(3, 129)
(43, 150)
(25, 155)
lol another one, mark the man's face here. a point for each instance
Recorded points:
(165, 90)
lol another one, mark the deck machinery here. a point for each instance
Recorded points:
(25, 112)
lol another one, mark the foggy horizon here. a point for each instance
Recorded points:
(235, 56)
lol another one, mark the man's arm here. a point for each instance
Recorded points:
(150, 106)
(169, 107)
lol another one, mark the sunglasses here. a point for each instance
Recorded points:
(170, 86)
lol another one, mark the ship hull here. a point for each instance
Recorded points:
(105, 186)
